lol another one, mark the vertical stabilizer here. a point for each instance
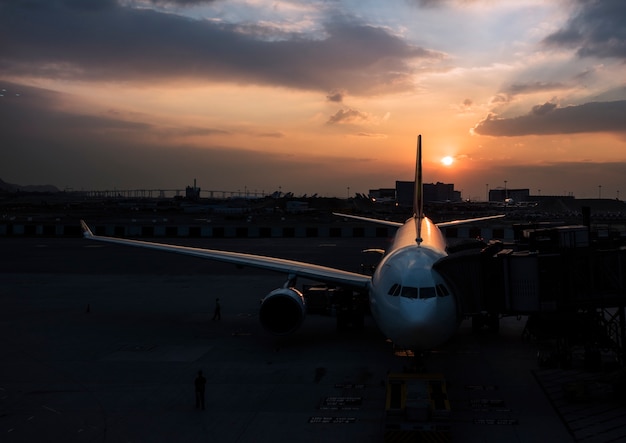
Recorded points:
(418, 194)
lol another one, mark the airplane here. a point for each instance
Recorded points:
(410, 302)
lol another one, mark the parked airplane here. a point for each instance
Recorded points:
(411, 302)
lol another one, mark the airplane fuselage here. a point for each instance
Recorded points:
(411, 302)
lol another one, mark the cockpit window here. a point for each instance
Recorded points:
(395, 289)
(442, 291)
(409, 292)
(413, 292)
(427, 292)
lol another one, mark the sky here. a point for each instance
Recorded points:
(314, 96)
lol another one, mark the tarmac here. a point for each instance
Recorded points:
(101, 343)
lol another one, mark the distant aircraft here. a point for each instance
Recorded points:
(411, 302)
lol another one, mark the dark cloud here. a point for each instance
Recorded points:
(336, 96)
(37, 117)
(28, 112)
(543, 109)
(550, 119)
(108, 41)
(597, 29)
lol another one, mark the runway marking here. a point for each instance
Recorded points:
(341, 403)
(340, 420)
(50, 409)
(494, 421)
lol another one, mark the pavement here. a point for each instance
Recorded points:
(101, 343)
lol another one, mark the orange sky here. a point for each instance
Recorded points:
(312, 97)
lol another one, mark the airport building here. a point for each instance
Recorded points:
(402, 194)
(433, 192)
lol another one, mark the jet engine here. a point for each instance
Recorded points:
(282, 311)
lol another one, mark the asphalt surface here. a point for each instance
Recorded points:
(102, 343)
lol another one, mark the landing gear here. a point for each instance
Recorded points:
(491, 321)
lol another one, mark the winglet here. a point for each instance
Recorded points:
(86, 231)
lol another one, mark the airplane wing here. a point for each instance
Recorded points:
(306, 270)
(371, 220)
(468, 220)
(397, 224)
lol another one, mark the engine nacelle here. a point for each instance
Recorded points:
(282, 311)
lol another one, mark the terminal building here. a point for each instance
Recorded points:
(403, 193)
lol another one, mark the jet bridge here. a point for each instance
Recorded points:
(572, 288)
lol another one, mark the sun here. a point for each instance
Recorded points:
(447, 161)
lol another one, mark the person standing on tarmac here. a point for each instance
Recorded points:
(200, 383)
(218, 310)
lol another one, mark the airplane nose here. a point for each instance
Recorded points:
(427, 324)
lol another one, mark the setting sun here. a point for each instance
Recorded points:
(447, 161)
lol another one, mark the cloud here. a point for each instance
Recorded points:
(336, 96)
(39, 118)
(532, 87)
(350, 116)
(61, 39)
(512, 91)
(550, 119)
(272, 134)
(371, 135)
(596, 30)
(25, 107)
(441, 3)
(180, 2)
(543, 109)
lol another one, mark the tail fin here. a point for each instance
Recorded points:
(418, 202)
(418, 192)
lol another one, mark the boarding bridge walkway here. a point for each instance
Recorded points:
(572, 287)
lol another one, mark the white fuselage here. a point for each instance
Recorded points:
(411, 302)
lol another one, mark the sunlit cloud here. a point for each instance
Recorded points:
(351, 116)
